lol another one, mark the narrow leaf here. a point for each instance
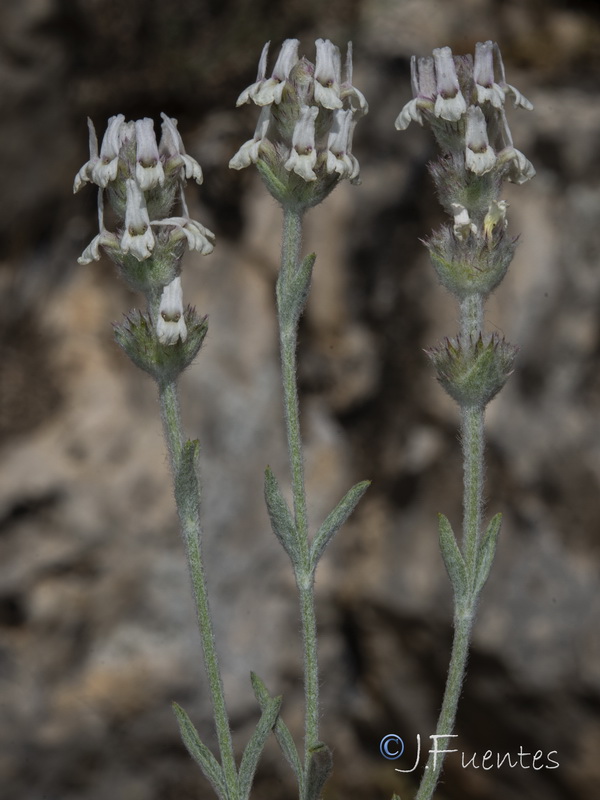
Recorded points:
(319, 769)
(256, 744)
(452, 556)
(335, 520)
(487, 551)
(200, 752)
(282, 733)
(281, 518)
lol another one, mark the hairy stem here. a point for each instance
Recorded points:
(472, 437)
(288, 331)
(192, 535)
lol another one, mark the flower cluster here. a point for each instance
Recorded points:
(463, 100)
(303, 139)
(144, 182)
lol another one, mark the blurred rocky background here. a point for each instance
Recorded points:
(97, 629)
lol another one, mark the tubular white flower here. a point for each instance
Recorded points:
(148, 167)
(250, 150)
(137, 237)
(271, 90)
(170, 325)
(339, 157)
(519, 99)
(422, 75)
(92, 251)
(85, 173)
(105, 169)
(520, 169)
(303, 156)
(198, 237)
(479, 156)
(249, 94)
(348, 90)
(483, 75)
(462, 222)
(449, 102)
(171, 147)
(328, 70)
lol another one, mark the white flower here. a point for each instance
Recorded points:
(479, 156)
(198, 237)
(348, 90)
(170, 325)
(92, 251)
(137, 238)
(171, 147)
(250, 150)
(462, 222)
(483, 75)
(105, 169)
(264, 92)
(85, 173)
(303, 156)
(519, 99)
(148, 168)
(449, 102)
(339, 143)
(422, 76)
(327, 78)
(248, 94)
(520, 169)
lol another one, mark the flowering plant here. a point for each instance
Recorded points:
(463, 100)
(302, 148)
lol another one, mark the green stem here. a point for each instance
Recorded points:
(456, 673)
(472, 437)
(192, 534)
(288, 333)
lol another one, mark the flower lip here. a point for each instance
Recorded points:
(518, 98)
(479, 156)
(85, 173)
(303, 155)
(449, 102)
(263, 92)
(339, 157)
(148, 168)
(327, 75)
(348, 90)
(137, 238)
(106, 167)
(248, 94)
(250, 150)
(171, 149)
(170, 325)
